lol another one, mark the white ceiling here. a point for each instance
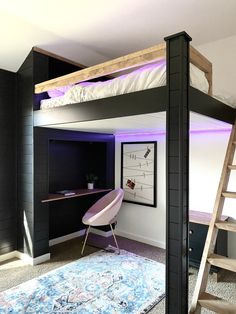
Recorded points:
(91, 31)
(141, 124)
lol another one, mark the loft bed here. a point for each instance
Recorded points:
(139, 97)
(177, 98)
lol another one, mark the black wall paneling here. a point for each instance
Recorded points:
(58, 68)
(46, 68)
(8, 220)
(62, 159)
(25, 234)
(70, 161)
(65, 216)
(177, 172)
(31, 235)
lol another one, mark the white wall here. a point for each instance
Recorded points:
(143, 223)
(207, 152)
(222, 55)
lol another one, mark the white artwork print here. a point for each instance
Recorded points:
(138, 170)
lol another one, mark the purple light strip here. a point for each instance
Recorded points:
(225, 130)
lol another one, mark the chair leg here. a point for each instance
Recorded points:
(115, 238)
(85, 240)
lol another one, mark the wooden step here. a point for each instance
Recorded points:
(225, 225)
(232, 167)
(216, 304)
(234, 142)
(222, 262)
(229, 194)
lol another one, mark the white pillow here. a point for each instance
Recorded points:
(198, 79)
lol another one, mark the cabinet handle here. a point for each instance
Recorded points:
(190, 249)
(190, 231)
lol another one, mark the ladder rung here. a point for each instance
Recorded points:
(216, 304)
(222, 262)
(229, 194)
(232, 167)
(225, 225)
(234, 142)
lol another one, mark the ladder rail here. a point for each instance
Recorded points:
(213, 231)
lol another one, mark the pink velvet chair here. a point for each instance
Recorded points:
(104, 212)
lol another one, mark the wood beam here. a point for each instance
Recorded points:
(126, 62)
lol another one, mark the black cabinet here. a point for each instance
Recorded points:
(198, 227)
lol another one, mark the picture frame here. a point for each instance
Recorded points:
(138, 172)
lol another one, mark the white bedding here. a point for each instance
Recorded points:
(147, 77)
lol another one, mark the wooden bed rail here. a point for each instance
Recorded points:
(129, 61)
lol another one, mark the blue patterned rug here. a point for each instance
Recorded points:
(101, 283)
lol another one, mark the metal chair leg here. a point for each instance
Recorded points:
(86, 237)
(115, 238)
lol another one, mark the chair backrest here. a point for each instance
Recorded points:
(104, 211)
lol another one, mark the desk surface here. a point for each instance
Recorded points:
(202, 218)
(78, 193)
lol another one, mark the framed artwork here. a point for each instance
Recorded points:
(138, 172)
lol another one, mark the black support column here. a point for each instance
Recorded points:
(177, 157)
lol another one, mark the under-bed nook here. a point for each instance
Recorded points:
(170, 83)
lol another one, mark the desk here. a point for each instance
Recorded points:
(198, 228)
(78, 192)
(66, 212)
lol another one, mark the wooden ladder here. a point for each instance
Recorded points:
(200, 297)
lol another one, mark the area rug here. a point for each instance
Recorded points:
(103, 282)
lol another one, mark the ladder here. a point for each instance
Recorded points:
(202, 299)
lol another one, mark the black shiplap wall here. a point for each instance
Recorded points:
(8, 218)
(32, 167)
(35, 69)
(41, 182)
(25, 156)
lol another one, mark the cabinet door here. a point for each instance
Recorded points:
(197, 238)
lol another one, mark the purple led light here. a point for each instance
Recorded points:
(161, 133)
(211, 131)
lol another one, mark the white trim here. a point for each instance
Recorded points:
(67, 237)
(33, 260)
(139, 238)
(102, 233)
(77, 234)
(25, 257)
(5, 257)
(40, 259)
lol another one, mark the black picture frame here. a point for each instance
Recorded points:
(139, 172)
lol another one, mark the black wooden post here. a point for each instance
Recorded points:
(177, 159)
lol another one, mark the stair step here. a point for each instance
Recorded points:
(225, 225)
(229, 194)
(232, 167)
(216, 304)
(222, 262)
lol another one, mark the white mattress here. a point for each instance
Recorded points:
(147, 77)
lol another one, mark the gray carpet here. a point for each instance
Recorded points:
(15, 272)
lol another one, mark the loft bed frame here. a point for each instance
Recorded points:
(155, 98)
(177, 98)
(129, 61)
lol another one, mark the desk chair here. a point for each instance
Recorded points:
(104, 212)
